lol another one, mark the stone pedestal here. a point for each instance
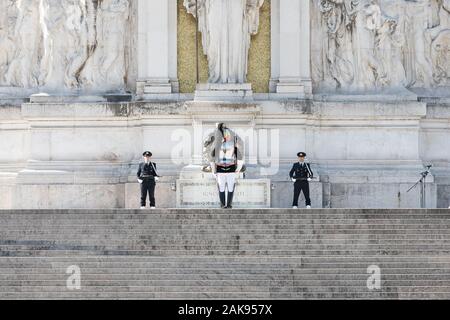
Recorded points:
(42, 98)
(291, 36)
(283, 193)
(157, 50)
(224, 92)
(197, 189)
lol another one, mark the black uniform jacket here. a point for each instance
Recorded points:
(147, 170)
(301, 171)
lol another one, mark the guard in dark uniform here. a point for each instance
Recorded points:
(147, 177)
(301, 174)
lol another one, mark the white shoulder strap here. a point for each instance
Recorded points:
(153, 166)
(307, 167)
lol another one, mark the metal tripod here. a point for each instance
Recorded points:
(422, 183)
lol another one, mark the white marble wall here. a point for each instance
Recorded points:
(367, 155)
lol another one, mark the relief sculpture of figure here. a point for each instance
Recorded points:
(388, 22)
(389, 44)
(6, 38)
(366, 19)
(364, 47)
(65, 43)
(23, 70)
(338, 52)
(420, 19)
(440, 46)
(226, 27)
(105, 70)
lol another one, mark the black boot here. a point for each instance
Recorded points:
(222, 199)
(230, 200)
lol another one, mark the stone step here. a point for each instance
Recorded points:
(145, 215)
(219, 254)
(220, 260)
(161, 265)
(344, 288)
(235, 259)
(235, 236)
(206, 232)
(386, 264)
(225, 296)
(168, 211)
(204, 274)
(176, 259)
(14, 222)
(220, 217)
(202, 270)
(231, 227)
(75, 253)
(221, 220)
(222, 227)
(206, 285)
(19, 220)
(252, 234)
(222, 243)
(233, 245)
(348, 249)
(114, 278)
(305, 244)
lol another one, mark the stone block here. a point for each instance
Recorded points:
(203, 193)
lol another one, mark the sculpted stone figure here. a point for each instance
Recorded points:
(338, 51)
(366, 20)
(376, 44)
(226, 27)
(389, 45)
(419, 19)
(105, 70)
(7, 45)
(23, 71)
(440, 46)
(65, 43)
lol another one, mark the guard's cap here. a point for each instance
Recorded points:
(301, 154)
(147, 154)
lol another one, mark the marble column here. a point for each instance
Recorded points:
(291, 70)
(157, 49)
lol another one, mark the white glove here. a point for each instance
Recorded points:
(309, 179)
(140, 181)
(240, 165)
(156, 178)
(294, 180)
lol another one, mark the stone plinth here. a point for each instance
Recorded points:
(197, 189)
(75, 98)
(283, 194)
(224, 92)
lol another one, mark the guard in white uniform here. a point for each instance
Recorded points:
(226, 154)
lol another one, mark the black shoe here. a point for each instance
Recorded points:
(230, 200)
(222, 199)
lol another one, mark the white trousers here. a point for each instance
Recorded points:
(226, 179)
